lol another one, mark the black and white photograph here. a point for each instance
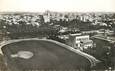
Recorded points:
(57, 35)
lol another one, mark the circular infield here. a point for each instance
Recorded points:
(23, 54)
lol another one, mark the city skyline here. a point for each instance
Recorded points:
(57, 5)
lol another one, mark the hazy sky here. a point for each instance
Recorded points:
(58, 5)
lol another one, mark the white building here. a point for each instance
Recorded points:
(80, 41)
(46, 19)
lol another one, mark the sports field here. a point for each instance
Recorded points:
(46, 56)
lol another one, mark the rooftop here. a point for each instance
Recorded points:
(106, 38)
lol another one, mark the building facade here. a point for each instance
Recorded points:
(80, 41)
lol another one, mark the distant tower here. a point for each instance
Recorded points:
(47, 13)
(47, 16)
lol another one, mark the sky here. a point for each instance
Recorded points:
(57, 5)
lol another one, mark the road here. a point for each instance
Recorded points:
(48, 54)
